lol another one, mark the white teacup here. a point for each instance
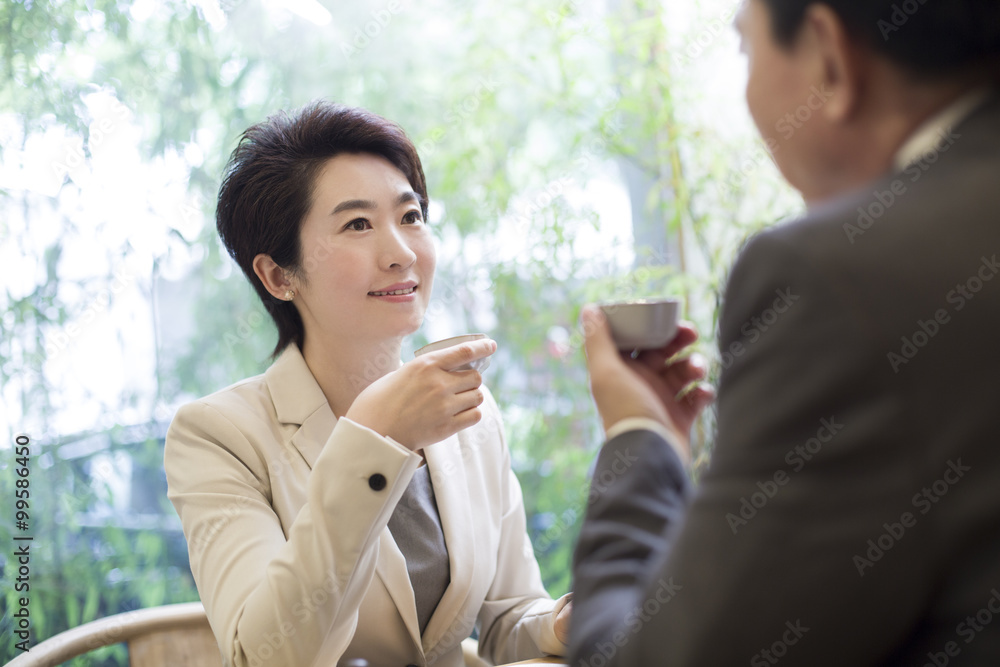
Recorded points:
(477, 365)
(642, 324)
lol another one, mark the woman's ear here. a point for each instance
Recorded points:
(276, 279)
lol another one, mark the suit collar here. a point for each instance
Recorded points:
(298, 400)
(927, 139)
(391, 569)
(294, 391)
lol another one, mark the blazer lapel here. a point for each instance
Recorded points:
(447, 471)
(391, 569)
(299, 401)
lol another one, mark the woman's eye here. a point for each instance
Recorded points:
(413, 217)
(358, 225)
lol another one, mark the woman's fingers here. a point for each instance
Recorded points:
(460, 381)
(456, 356)
(468, 400)
(466, 418)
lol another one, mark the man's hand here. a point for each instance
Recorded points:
(646, 386)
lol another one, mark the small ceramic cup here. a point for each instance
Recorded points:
(478, 365)
(642, 324)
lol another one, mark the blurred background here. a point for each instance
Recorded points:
(575, 150)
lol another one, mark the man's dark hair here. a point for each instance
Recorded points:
(268, 187)
(927, 37)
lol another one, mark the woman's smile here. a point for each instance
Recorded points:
(397, 293)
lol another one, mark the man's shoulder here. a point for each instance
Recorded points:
(924, 214)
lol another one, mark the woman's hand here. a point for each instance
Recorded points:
(425, 401)
(561, 625)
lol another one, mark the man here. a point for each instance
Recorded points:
(851, 512)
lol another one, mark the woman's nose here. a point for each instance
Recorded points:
(396, 252)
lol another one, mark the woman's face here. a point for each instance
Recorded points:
(368, 257)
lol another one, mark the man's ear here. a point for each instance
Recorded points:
(840, 63)
(276, 279)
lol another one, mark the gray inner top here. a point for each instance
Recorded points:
(416, 526)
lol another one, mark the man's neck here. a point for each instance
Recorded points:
(894, 116)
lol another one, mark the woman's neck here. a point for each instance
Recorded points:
(345, 369)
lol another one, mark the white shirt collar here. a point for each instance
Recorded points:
(928, 136)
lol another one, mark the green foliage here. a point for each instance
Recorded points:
(83, 565)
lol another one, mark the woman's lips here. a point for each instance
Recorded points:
(396, 292)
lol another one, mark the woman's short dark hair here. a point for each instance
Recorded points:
(927, 37)
(268, 187)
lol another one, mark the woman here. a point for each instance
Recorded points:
(343, 504)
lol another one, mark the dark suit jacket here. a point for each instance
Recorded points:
(851, 512)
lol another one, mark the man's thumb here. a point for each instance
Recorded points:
(596, 334)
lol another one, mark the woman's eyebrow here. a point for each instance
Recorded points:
(354, 204)
(368, 204)
(409, 196)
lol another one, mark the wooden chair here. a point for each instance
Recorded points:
(174, 635)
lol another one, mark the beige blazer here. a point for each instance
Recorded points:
(285, 519)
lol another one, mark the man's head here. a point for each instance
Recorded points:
(836, 87)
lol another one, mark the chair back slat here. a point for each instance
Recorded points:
(166, 636)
